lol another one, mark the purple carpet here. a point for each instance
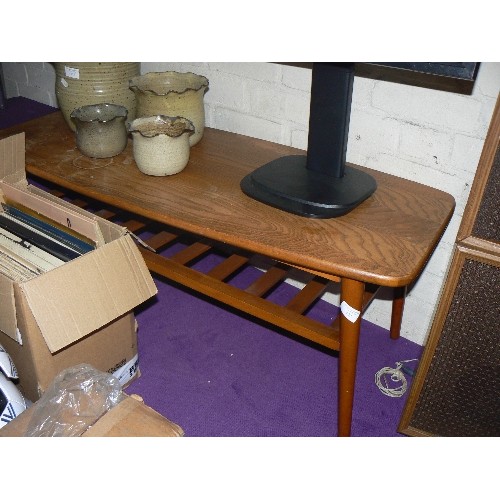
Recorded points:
(20, 109)
(218, 373)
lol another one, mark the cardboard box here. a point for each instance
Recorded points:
(79, 312)
(130, 418)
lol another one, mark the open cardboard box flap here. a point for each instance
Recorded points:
(73, 300)
(88, 292)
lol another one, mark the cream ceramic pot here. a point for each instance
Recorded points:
(161, 144)
(100, 129)
(172, 93)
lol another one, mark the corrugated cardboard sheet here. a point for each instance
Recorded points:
(130, 418)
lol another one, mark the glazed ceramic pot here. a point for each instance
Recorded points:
(100, 129)
(161, 144)
(79, 84)
(171, 93)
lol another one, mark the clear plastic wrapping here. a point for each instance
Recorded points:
(74, 401)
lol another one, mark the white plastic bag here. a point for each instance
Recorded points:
(75, 400)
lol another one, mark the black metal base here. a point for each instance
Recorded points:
(287, 184)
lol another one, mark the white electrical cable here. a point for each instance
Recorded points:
(396, 376)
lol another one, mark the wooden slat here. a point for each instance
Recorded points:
(305, 297)
(191, 252)
(104, 213)
(160, 239)
(267, 281)
(229, 266)
(133, 225)
(57, 193)
(79, 202)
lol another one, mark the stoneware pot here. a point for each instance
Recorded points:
(100, 129)
(161, 143)
(171, 93)
(79, 84)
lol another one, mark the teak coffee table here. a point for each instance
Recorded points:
(384, 242)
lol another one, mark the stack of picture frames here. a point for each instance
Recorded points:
(456, 390)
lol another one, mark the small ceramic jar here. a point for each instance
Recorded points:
(100, 129)
(172, 93)
(161, 143)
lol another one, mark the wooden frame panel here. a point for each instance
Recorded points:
(433, 372)
(450, 357)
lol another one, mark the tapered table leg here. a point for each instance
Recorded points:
(352, 297)
(398, 303)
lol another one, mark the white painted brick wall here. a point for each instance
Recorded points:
(428, 136)
(234, 121)
(33, 80)
(427, 107)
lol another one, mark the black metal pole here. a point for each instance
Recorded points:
(330, 110)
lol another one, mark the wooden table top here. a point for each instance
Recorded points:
(386, 240)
